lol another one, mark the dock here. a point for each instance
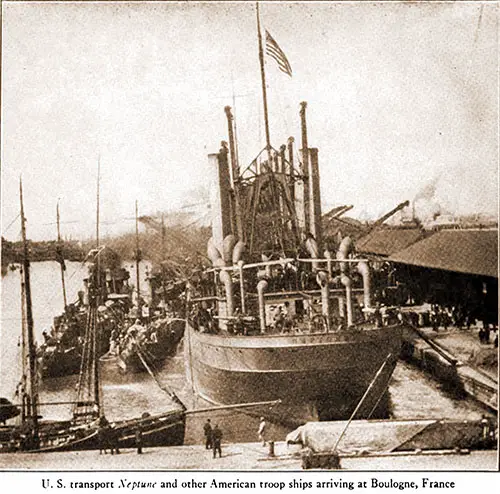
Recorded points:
(242, 456)
(453, 356)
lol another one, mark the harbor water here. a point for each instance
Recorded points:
(127, 395)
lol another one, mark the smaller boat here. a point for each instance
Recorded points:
(151, 338)
(61, 352)
(166, 429)
(88, 427)
(31, 433)
(150, 344)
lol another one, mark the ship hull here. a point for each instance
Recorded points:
(133, 355)
(157, 431)
(316, 376)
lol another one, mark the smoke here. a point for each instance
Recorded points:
(428, 191)
(425, 205)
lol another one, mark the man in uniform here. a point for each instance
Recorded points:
(216, 440)
(207, 430)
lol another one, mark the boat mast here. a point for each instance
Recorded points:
(24, 348)
(137, 260)
(264, 93)
(163, 253)
(88, 389)
(97, 214)
(61, 257)
(95, 304)
(32, 406)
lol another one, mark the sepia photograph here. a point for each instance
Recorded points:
(249, 236)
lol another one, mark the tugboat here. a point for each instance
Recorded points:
(278, 315)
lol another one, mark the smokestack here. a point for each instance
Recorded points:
(221, 196)
(315, 197)
(232, 147)
(291, 170)
(305, 165)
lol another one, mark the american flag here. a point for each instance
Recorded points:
(274, 51)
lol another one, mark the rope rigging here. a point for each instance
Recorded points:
(163, 387)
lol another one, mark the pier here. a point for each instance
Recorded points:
(243, 456)
(453, 357)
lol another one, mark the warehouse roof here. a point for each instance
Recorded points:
(387, 241)
(463, 251)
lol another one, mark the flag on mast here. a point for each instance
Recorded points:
(274, 51)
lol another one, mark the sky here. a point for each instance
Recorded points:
(400, 96)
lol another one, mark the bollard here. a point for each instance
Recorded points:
(271, 448)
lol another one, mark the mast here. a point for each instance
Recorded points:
(264, 93)
(137, 260)
(32, 406)
(88, 394)
(59, 246)
(97, 214)
(95, 304)
(24, 348)
(163, 252)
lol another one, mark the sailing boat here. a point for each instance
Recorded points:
(82, 430)
(61, 352)
(153, 336)
(165, 429)
(33, 434)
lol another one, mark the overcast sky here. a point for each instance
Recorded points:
(399, 96)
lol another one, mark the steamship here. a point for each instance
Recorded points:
(277, 317)
(283, 313)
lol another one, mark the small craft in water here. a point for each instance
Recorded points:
(61, 351)
(88, 427)
(149, 345)
(156, 332)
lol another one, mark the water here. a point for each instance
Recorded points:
(129, 395)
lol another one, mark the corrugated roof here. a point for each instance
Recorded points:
(387, 241)
(463, 251)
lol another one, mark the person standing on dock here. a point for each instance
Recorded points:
(138, 439)
(263, 431)
(207, 430)
(216, 441)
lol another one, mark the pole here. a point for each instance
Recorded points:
(95, 351)
(33, 398)
(93, 305)
(163, 252)
(137, 260)
(235, 406)
(362, 400)
(98, 267)
(264, 93)
(24, 341)
(235, 127)
(62, 265)
(97, 208)
(235, 173)
(305, 171)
